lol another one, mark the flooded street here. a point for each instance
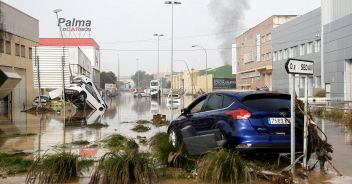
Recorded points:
(340, 137)
(48, 130)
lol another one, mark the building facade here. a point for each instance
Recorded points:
(253, 54)
(194, 81)
(19, 33)
(89, 48)
(337, 47)
(52, 69)
(300, 39)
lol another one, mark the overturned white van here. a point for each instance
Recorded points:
(83, 94)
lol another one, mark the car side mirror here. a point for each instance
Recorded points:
(184, 111)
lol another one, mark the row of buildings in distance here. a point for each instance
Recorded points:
(323, 35)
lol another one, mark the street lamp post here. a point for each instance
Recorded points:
(137, 73)
(190, 75)
(206, 66)
(158, 74)
(172, 46)
(56, 11)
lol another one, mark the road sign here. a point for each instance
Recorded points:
(298, 66)
(304, 67)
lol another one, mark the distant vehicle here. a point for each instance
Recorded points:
(140, 94)
(174, 100)
(247, 121)
(154, 89)
(43, 100)
(83, 93)
(113, 94)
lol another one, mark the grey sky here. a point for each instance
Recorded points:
(128, 26)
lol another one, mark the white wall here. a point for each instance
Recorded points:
(335, 9)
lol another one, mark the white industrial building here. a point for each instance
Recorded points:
(81, 57)
(50, 67)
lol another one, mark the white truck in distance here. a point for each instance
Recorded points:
(154, 88)
(83, 93)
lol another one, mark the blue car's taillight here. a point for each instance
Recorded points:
(239, 114)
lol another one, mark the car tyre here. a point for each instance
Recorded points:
(82, 97)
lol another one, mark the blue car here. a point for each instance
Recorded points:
(247, 121)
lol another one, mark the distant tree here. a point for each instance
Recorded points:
(144, 79)
(107, 77)
(119, 84)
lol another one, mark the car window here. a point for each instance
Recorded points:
(197, 107)
(227, 100)
(268, 103)
(214, 102)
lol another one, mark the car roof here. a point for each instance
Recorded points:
(240, 95)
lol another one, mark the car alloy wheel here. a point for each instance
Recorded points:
(173, 138)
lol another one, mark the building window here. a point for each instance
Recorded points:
(268, 55)
(8, 47)
(302, 49)
(30, 52)
(285, 55)
(302, 82)
(275, 56)
(290, 53)
(279, 56)
(263, 39)
(317, 46)
(317, 81)
(295, 51)
(263, 57)
(17, 49)
(250, 56)
(23, 51)
(310, 48)
(2, 46)
(268, 36)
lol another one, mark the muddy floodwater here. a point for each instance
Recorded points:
(120, 117)
(52, 129)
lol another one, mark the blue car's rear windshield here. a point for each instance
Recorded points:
(268, 102)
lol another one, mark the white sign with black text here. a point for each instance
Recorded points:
(297, 66)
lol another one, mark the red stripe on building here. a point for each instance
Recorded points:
(68, 42)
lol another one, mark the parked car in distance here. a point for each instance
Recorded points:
(247, 121)
(174, 100)
(140, 94)
(43, 100)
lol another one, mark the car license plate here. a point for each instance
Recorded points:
(278, 121)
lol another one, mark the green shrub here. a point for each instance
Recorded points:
(319, 112)
(334, 115)
(14, 163)
(124, 168)
(320, 93)
(222, 166)
(161, 146)
(143, 122)
(97, 125)
(54, 168)
(140, 128)
(117, 142)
